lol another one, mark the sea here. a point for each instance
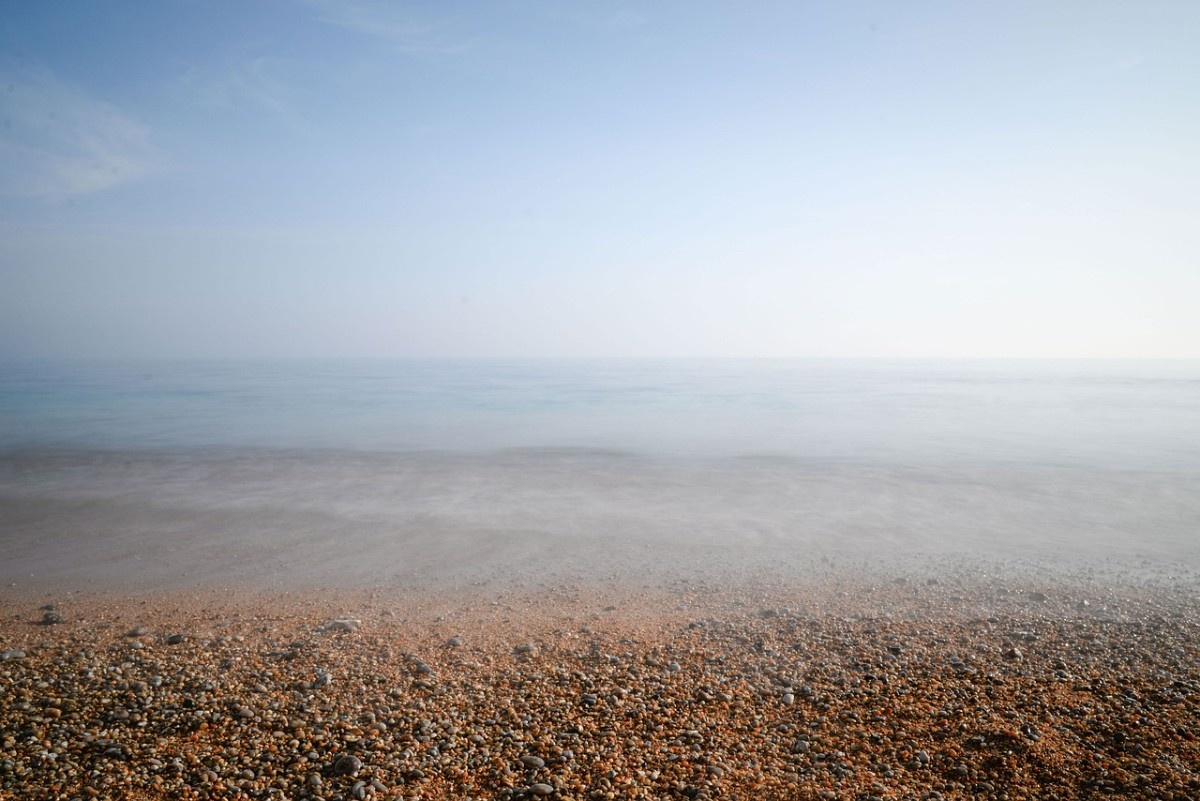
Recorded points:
(164, 465)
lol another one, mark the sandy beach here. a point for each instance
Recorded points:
(846, 682)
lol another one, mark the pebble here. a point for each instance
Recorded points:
(347, 765)
(541, 789)
(531, 761)
(11, 653)
(342, 624)
(52, 618)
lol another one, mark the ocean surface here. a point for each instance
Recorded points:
(309, 464)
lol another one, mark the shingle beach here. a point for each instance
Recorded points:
(835, 687)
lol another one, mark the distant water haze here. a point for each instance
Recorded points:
(392, 471)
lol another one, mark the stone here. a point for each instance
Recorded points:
(11, 653)
(531, 761)
(347, 765)
(347, 624)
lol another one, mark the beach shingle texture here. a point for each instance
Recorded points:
(909, 690)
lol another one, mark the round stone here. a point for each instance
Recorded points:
(347, 765)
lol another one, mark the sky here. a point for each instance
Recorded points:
(528, 178)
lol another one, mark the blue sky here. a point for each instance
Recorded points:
(360, 178)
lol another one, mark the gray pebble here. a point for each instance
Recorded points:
(342, 624)
(347, 765)
(531, 761)
(541, 789)
(11, 653)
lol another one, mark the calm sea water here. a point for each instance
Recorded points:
(1108, 414)
(1084, 457)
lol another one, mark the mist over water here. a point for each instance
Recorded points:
(392, 470)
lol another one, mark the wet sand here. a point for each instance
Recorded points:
(842, 681)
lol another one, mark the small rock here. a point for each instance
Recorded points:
(342, 624)
(541, 789)
(11, 653)
(347, 765)
(174, 639)
(140, 631)
(531, 761)
(525, 649)
(52, 618)
(454, 642)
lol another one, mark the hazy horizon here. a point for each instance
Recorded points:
(349, 178)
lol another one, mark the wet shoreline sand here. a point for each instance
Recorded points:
(842, 683)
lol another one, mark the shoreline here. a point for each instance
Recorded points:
(843, 685)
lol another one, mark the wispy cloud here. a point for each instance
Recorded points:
(245, 80)
(57, 141)
(389, 21)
